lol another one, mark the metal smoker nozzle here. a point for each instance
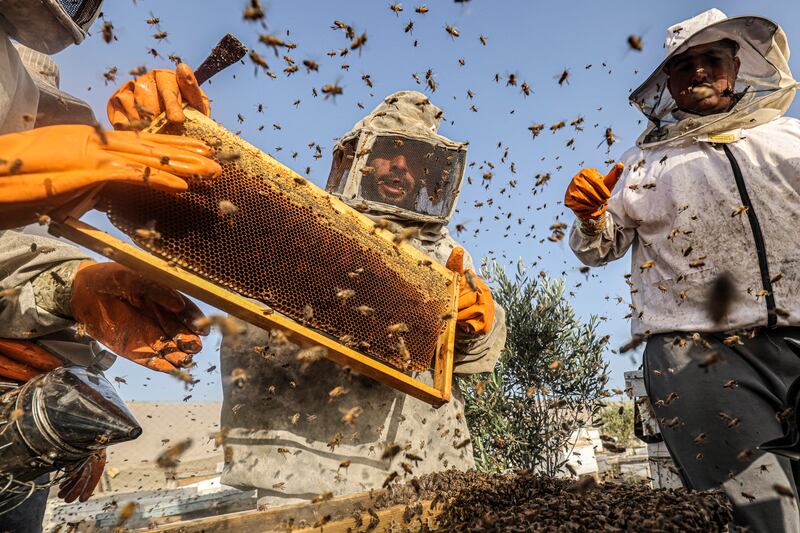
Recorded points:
(60, 418)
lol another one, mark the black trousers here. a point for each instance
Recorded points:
(27, 518)
(715, 403)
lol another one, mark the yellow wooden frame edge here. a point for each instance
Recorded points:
(262, 316)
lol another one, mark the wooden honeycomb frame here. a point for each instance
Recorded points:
(67, 223)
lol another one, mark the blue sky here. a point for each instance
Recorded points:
(535, 41)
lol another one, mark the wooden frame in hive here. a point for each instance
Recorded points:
(397, 283)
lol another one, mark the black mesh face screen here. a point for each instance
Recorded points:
(81, 11)
(340, 166)
(412, 174)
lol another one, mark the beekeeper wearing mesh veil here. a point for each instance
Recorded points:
(52, 150)
(709, 200)
(296, 430)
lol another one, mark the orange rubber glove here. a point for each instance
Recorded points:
(589, 191)
(83, 478)
(136, 318)
(44, 168)
(23, 360)
(139, 101)
(475, 307)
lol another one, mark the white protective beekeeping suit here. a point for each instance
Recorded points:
(30, 97)
(284, 435)
(46, 27)
(679, 201)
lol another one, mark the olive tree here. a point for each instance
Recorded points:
(549, 380)
(617, 422)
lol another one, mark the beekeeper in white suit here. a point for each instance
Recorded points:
(285, 434)
(709, 200)
(51, 152)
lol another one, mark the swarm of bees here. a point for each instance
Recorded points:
(465, 499)
(498, 176)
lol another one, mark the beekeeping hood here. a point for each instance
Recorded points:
(764, 86)
(55, 106)
(393, 162)
(48, 26)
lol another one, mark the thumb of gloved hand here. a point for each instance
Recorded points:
(455, 263)
(588, 192)
(610, 180)
(190, 89)
(475, 303)
(456, 260)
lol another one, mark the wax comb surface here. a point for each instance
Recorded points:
(267, 233)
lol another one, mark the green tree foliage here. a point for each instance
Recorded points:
(617, 422)
(548, 382)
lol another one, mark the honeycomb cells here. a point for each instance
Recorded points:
(287, 245)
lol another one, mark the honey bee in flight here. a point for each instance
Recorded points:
(108, 32)
(635, 42)
(358, 42)
(452, 30)
(332, 90)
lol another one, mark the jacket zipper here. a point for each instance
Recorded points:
(758, 236)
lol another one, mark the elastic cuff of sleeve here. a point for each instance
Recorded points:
(52, 289)
(592, 227)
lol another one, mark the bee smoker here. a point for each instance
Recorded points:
(58, 419)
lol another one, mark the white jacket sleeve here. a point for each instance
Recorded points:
(32, 304)
(476, 354)
(612, 243)
(620, 229)
(19, 96)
